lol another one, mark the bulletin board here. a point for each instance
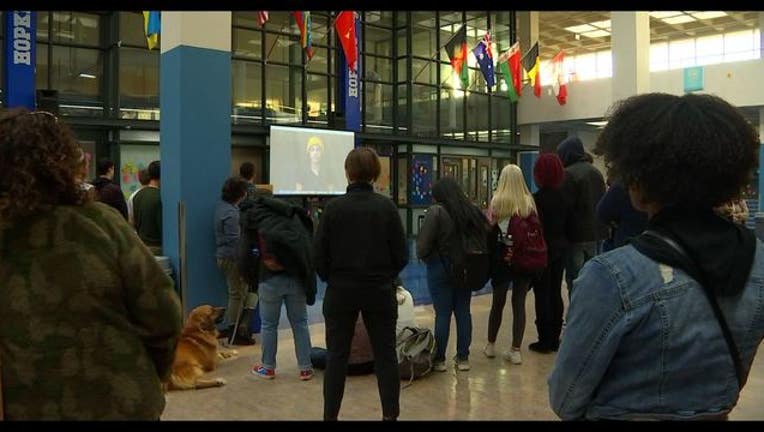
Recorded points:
(134, 158)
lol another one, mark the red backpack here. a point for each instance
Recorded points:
(529, 252)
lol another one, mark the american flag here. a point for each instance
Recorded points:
(262, 17)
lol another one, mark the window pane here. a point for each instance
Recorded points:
(402, 107)
(403, 71)
(401, 41)
(501, 112)
(604, 65)
(424, 107)
(131, 29)
(452, 113)
(76, 27)
(378, 99)
(247, 19)
(138, 82)
(710, 49)
(586, 67)
(41, 66)
(283, 94)
(42, 26)
(424, 71)
(282, 21)
(681, 53)
(246, 80)
(477, 118)
(658, 57)
(77, 72)
(318, 28)
(247, 43)
(379, 69)
(378, 41)
(500, 34)
(380, 18)
(738, 46)
(317, 98)
(423, 41)
(283, 49)
(319, 61)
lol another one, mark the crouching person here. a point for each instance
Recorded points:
(276, 257)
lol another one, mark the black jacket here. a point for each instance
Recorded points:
(585, 186)
(360, 243)
(109, 193)
(287, 230)
(555, 214)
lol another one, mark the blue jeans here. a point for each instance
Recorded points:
(447, 299)
(575, 258)
(274, 291)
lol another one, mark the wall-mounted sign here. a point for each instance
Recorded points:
(693, 79)
(20, 58)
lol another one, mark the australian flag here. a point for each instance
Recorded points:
(484, 56)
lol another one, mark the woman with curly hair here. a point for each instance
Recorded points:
(667, 326)
(90, 320)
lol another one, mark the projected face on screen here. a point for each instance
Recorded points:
(308, 161)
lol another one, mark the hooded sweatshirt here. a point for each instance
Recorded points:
(584, 186)
(109, 193)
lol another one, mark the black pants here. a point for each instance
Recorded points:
(520, 284)
(549, 308)
(379, 309)
(318, 360)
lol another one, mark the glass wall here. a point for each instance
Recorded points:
(378, 71)
(138, 70)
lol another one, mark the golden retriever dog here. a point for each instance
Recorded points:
(198, 351)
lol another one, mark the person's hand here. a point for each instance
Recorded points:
(508, 256)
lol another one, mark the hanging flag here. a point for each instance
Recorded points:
(484, 56)
(531, 64)
(559, 79)
(509, 62)
(262, 17)
(152, 27)
(456, 48)
(345, 25)
(303, 23)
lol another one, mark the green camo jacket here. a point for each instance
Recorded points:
(89, 319)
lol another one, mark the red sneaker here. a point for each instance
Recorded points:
(262, 372)
(306, 374)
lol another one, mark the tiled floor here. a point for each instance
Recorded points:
(492, 390)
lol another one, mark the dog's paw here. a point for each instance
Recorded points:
(220, 381)
(227, 354)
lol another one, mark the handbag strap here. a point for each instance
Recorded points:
(698, 276)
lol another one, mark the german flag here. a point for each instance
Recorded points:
(531, 64)
(456, 48)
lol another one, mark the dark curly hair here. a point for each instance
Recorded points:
(692, 151)
(233, 189)
(39, 162)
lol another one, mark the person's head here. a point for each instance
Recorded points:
(692, 151)
(234, 190)
(40, 164)
(548, 171)
(315, 148)
(512, 196)
(105, 168)
(154, 173)
(362, 165)
(468, 219)
(247, 171)
(571, 150)
(143, 177)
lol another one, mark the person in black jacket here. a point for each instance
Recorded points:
(281, 235)
(554, 211)
(584, 185)
(106, 190)
(615, 209)
(359, 248)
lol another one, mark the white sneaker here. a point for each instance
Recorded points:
(462, 365)
(489, 350)
(513, 356)
(439, 366)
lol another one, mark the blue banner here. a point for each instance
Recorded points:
(350, 92)
(20, 58)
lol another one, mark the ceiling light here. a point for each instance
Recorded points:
(709, 14)
(602, 24)
(87, 75)
(597, 123)
(681, 19)
(664, 14)
(596, 33)
(578, 36)
(580, 28)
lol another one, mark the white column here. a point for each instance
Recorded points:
(527, 29)
(631, 53)
(530, 135)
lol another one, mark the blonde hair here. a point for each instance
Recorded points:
(512, 196)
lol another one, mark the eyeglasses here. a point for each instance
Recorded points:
(46, 113)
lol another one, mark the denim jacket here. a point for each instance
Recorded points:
(227, 230)
(641, 341)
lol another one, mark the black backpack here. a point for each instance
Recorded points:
(471, 266)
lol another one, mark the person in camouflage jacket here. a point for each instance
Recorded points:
(89, 319)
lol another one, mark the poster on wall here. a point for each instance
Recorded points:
(134, 158)
(383, 185)
(421, 179)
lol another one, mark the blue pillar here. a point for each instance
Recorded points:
(350, 86)
(19, 65)
(195, 147)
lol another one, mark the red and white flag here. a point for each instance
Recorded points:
(345, 25)
(559, 78)
(262, 17)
